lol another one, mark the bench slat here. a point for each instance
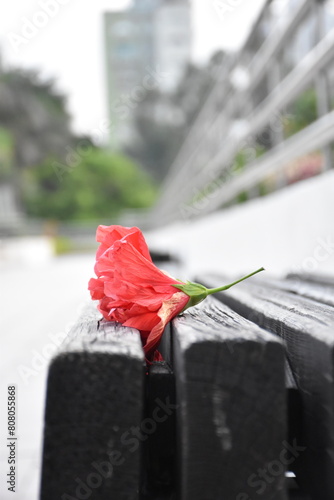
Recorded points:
(94, 399)
(230, 386)
(318, 292)
(319, 278)
(307, 328)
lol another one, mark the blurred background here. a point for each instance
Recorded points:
(96, 101)
(210, 125)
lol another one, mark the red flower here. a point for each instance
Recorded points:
(131, 289)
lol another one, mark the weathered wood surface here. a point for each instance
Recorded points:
(307, 328)
(94, 406)
(320, 292)
(319, 278)
(294, 433)
(230, 387)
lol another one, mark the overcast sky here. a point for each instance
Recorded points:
(68, 44)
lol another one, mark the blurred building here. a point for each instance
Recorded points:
(147, 47)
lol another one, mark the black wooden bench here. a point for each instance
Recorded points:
(242, 408)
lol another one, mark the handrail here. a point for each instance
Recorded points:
(275, 42)
(289, 89)
(183, 183)
(257, 67)
(313, 137)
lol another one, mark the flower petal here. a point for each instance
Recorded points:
(96, 288)
(157, 356)
(129, 265)
(144, 322)
(168, 311)
(131, 289)
(108, 235)
(127, 292)
(111, 233)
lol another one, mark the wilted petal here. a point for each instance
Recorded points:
(168, 311)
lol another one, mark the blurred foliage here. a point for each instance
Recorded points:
(99, 185)
(54, 174)
(162, 121)
(62, 245)
(35, 115)
(242, 158)
(6, 154)
(301, 113)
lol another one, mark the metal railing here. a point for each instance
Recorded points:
(203, 177)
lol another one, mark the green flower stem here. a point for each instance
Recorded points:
(226, 287)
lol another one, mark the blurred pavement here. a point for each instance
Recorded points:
(39, 302)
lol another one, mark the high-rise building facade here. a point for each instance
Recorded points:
(147, 46)
(172, 41)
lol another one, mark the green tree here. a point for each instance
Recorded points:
(99, 185)
(6, 155)
(36, 116)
